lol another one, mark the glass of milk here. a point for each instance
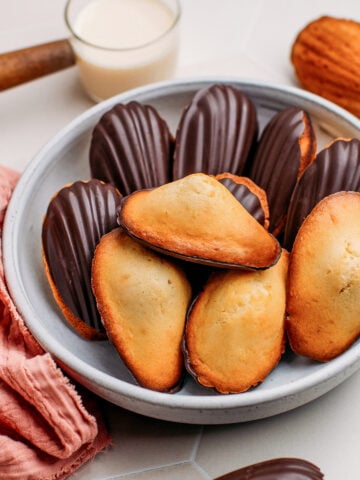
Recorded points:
(122, 44)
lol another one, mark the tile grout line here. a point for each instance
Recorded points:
(195, 452)
(190, 461)
(196, 445)
(202, 471)
(153, 469)
(248, 36)
(252, 28)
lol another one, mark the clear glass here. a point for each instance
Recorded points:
(134, 56)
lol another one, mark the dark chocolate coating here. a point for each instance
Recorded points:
(278, 160)
(335, 169)
(216, 132)
(246, 197)
(75, 220)
(131, 147)
(277, 469)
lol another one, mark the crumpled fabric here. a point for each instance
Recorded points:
(48, 428)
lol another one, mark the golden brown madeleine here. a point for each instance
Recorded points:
(286, 147)
(196, 218)
(326, 58)
(324, 279)
(250, 195)
(76, 218)
(336, 168)
(131, 147)
(235, 330)
(142, 298)
(216, 133)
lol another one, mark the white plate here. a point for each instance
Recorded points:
(96, 365)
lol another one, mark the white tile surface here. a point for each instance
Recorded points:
(251, 40)
(149, 444)
(312, 431)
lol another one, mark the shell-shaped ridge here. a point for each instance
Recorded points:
(75, 220)
(336, 168)
(131, 148)
(216, 132)
(279, 468)
(279, 159)
(250, 199)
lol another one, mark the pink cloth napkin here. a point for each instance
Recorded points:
(47, 429)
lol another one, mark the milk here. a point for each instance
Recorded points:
(121, 44)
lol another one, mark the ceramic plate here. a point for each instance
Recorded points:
(97, 366)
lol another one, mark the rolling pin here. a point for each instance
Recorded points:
(21, 66)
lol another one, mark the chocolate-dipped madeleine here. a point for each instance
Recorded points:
(143, 298)
(235, 329)
(197, 219)
(277, 469)
(286, 146)
(131, 147)
(76, 218)
(336, 168)
(216, 132)
(324, 279)
(250, 195)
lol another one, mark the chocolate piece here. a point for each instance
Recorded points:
(277, 469)
(251, 196)
(286, 146)
(216, 132)
(131, 147)
(336, 168)
(75, 220)
(197, 274)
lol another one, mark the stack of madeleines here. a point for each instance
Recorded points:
(205, 252)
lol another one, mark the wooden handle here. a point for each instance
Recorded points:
(21, 66)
